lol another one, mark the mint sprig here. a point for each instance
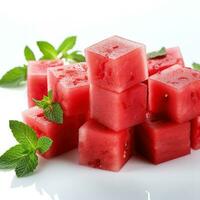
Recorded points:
(196, 66)
(48, 50)
(14, 77)
(155, 54)
(52, 110)
(17, 75)
(28, 54)
(22, 157)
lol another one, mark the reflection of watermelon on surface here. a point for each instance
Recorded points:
(119, 111)
(160, 141)
(64, 136)
(37, 78)
(102, 148)
(195, 133)
(70, 88)
(175, 93)
(116, 63)
(172, 57)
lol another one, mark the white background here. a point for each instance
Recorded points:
(153, 22)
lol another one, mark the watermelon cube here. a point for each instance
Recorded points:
(64, 136)
(70, 88)
(175, 93)
(173, 57)
(37, 78)
(161, 140)
(102, 148)
(119, 111)
(116, 63)
(195, 133)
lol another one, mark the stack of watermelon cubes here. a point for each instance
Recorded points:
(118, 101)
(115, 113)
(70, 88)
(174, 100)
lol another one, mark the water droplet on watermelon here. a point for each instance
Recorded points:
(60, 69)
(182, 78)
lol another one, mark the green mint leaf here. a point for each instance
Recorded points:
(43, 144)
(156, 54)
(196, 66)
(52, 110)
(49, 52)
(10, 158)
(28, 53)
(41, 103)
(24, 134)
(54, 113)
(14, 77)
(26, 165)
(76, 56)
(50, 95)
(67, 44)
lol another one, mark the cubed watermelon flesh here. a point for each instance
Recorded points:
(119, 111)
(195, 133)
(116, 63)
(70, 88)
(162, 140)
(37, 78)
(175, 93)
(102, 148)
(172, 57)
(64, 136)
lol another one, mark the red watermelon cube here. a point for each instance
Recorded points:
(195, 133)
(119, 111)
(64, 136)
(102, 148)
(116, 63)
(173, 57)
(37, 78)
(161, 140)
(70, 88)
(175, 93)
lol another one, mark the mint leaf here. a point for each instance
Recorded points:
(54, 113)
(24, 134)
(76, 56)
(196, 66)
(14, 77)
(28, 53)
(10, 158)
(52, 110)
(22, 157)
(48, 50)
(26, 165)
(67, 44)
(43, 144)
(156, 54)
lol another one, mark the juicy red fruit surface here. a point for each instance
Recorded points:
(116, 63)
(173, 57)
(195, 133)
(119, 111)
(102, 148)
(175, 93)
(70, 87)
(64, 136)
(160, 141)
(37, 79)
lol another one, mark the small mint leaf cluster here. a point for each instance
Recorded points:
(18, 75)
(52, 110)
(22, 157)
(156, 54)
(196, 66)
